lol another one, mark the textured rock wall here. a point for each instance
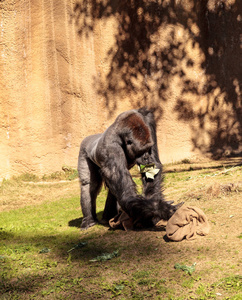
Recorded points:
(68, 68)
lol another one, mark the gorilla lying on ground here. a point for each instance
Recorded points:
(107, 157)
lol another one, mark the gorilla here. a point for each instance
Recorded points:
(107, 158)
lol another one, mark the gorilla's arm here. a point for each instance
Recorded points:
(146, 212)
(152, 188)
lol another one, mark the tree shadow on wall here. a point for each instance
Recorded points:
(188, 52)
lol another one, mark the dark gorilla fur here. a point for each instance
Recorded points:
(108, 157)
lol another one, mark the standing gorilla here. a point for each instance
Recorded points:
(108, 157)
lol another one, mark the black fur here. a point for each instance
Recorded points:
(108, 157)
(152, 189)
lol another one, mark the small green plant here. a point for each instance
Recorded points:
(70, 172)
(187, 269)
(105, 256)
(116, 288)
(27, 177)
(67, 173)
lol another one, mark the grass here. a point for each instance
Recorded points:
(67, 173)
(43, 253)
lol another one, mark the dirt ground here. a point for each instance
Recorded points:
(214, 187)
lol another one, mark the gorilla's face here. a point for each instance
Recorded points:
(133, 148)
(145, 159)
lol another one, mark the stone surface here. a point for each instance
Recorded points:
(68, 68)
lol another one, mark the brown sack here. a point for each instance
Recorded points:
(187, 222)
(120, 221)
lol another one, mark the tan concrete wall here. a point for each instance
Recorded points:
(68, 68)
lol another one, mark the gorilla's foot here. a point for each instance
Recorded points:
(88, 222)
(104, 222)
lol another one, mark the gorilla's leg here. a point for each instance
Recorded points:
(111, 208)
(91, 183)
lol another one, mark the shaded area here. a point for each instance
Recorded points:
(187, 51)
(75, 222)
(78, 221)
(220, 40)
(43, 268)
